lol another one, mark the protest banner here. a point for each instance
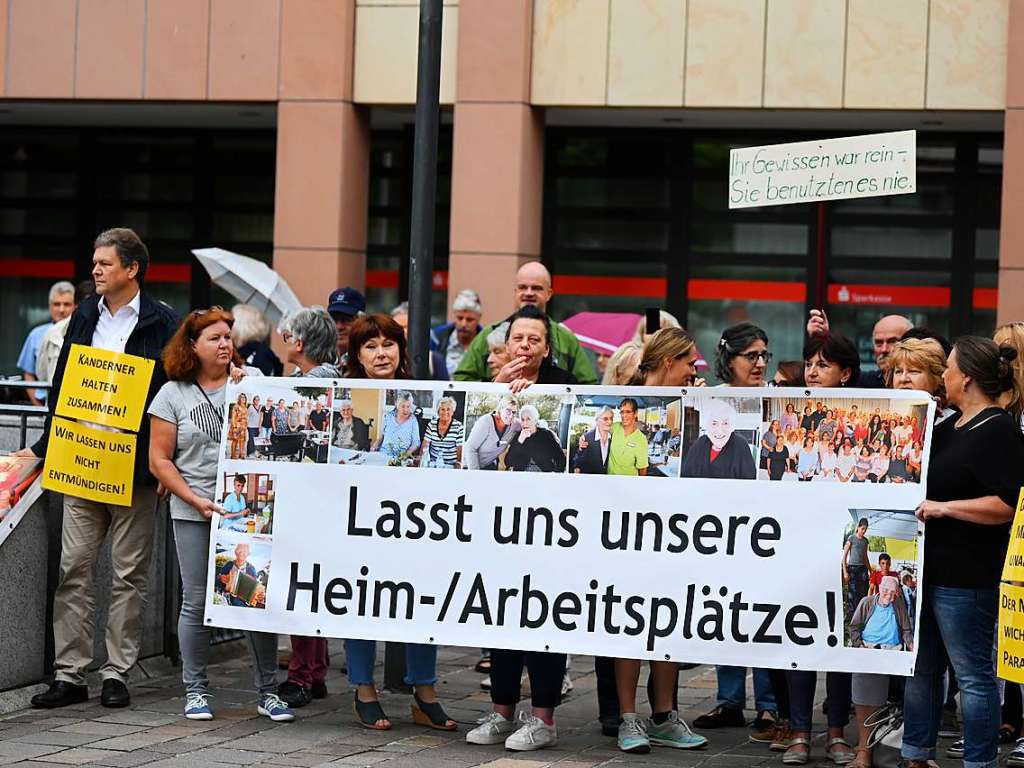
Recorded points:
(830, 169)
(1010, 664)
(104, 387)
(1013, 566)
(89, 463)
(674, 540)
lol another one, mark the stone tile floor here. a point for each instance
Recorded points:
(153, 733)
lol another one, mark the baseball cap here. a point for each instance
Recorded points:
(346, 301)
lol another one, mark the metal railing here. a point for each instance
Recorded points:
(23, 412)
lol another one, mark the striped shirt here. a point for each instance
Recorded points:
(444, 448)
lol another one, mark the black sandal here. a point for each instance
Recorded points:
(369, 713)
(483, 666)
(431, 715)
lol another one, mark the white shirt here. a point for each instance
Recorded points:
(112, 331)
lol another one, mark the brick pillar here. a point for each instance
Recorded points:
(497, 154)
(323, 153)
(1011, 236)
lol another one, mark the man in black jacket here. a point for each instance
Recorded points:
(120, 318)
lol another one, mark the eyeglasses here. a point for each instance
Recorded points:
(753, 357)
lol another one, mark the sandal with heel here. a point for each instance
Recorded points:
(431, 714)
(369, 713)
(794, 755)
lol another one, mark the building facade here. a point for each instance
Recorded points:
(591, 134)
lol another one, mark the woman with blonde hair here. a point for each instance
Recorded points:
(621, 366)
(916, 364)
(238, 427)
(1012, 335)
(669, 359)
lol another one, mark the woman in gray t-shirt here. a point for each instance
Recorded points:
(187, 417)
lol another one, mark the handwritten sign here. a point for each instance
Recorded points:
(830, 169)
(1013, 566)
(103, 387)
(89, 463)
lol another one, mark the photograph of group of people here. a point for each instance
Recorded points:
(844, 440)
(879, 571)
(271, 422)
(615, 435)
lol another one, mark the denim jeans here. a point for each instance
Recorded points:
(857, 588)
(420, 662)
(956, 624)
(192, 541)
(732, 688)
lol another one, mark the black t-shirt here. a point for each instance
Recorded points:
(984, 457)
(777, 462)
(318, 419)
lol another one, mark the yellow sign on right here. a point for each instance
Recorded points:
(1013, 566)
(1011, 633)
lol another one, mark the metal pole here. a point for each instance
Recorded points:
(424, 186)
(421, 245)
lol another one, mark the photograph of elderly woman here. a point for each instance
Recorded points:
(248, 502)
(242, 570)
(355, 421)
(273, 422)
(721, 436)
(615, 435)
(840, 439)
(519, 433)
(879, 570)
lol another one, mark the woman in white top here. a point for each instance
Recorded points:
(846, 459)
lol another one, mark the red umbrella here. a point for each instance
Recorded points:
(605, 332)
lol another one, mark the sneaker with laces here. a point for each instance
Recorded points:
(492, 728)
(633, 735)
(674, 733)
(197, 706)
(271, 706)
(762, 730)
(1016, 756)
(533, 734)
(956, 750)
(783, 735)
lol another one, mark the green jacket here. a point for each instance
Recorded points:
(566, 353)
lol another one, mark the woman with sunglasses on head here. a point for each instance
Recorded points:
(976, 469)
(186, 418)
(830, 360)
(741, 360)
(376, 350)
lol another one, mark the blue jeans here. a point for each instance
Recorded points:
(956, 624)
(732, 688)
(420, 662)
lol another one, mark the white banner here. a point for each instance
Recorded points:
(831, 169)
(627, 522)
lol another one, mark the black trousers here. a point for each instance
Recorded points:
(546, 671)
(781, 690)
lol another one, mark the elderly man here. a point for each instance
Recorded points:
(451, 340)
(62, 304)
(887, 331)
(881, 620)
(533, 287)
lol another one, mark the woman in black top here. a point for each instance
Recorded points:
(535, 449)
(975, 472)
(777, 459)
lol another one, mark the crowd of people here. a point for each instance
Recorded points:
(976, 470)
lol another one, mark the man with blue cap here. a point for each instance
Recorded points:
(345, 305)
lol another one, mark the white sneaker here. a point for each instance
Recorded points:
(533, 734)
(566, 685)
(485, 683)
(492, 729)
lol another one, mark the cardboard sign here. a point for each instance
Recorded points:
(1011, 633)
(1013, 566)
(832, 169)
(103, 387)
(90, 463)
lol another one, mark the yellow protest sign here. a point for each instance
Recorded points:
(104, 387)
(1013, 566)
(89, 463)
(1011, 633)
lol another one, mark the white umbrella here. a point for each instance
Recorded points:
(250, 281)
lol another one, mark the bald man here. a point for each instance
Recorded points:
(887, 331)
(533, 287)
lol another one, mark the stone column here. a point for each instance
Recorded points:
(497, 154)
(323, 153)
(1011, 236)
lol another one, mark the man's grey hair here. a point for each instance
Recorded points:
(61, 288)
(401, 309)
(250, 325)
(467, 301)
(317, 332)
(496, 338)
